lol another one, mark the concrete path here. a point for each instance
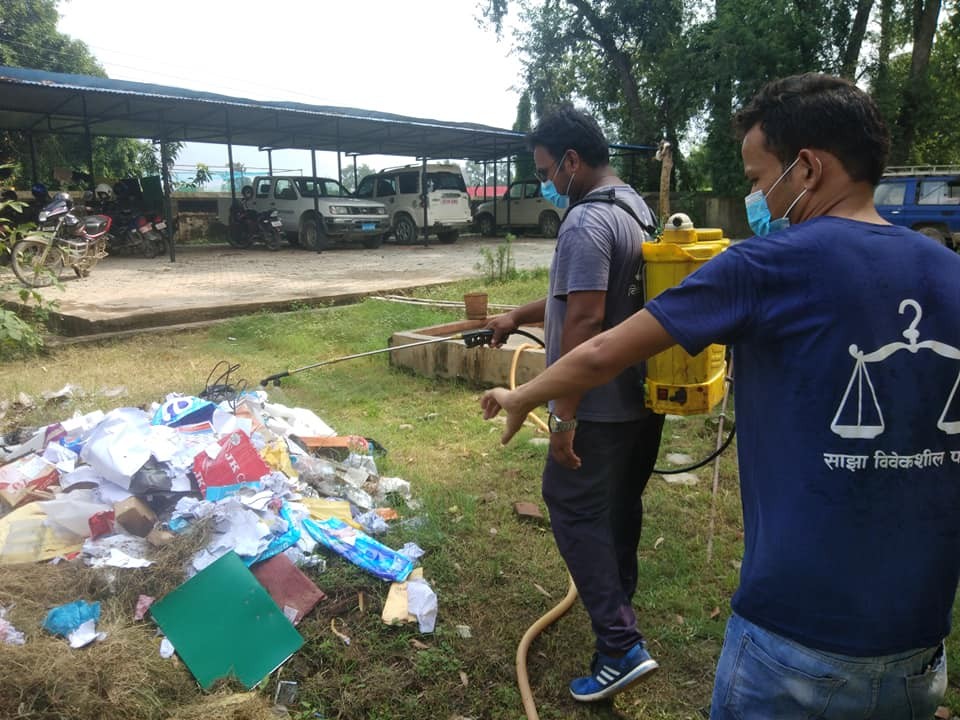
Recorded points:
(214, 282)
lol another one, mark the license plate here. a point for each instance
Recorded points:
(143, 229)
(369, 226)
(276, 223)
(160, 226)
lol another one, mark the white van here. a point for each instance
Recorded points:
(448, 204)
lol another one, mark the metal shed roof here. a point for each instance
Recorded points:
(47, 102)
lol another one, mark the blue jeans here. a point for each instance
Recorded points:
(762, 675)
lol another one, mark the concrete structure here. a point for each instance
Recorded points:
(211, 282)
(453, 360)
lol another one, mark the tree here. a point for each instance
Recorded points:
(525, 166)
(916, 94)
(937, 137)
(347, 175)
(29, 38)
(672, 69)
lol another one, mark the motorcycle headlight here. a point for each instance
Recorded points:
(43, 216)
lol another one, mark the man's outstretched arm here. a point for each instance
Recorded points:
(593, 363)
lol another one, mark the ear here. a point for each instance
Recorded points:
(573, 158)
(811, 168)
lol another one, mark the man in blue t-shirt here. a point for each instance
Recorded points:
(603, 443)
(845, 334)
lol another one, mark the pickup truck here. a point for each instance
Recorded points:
(527, 210)
(342, 217)
(925, 198)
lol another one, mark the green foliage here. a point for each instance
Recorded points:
(20, 336)
(347, 175)
(680, 69)
(29, 38)
(498, 265)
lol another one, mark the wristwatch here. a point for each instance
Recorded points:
(557, 425)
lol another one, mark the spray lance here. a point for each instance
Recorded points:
(471, 339)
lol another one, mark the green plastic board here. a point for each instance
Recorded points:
(223, 623)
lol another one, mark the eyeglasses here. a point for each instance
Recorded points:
(543, 175)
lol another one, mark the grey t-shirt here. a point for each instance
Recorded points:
(599, 249)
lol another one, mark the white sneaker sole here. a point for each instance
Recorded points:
(641, 671)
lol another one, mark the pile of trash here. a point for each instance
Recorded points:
(275, 487)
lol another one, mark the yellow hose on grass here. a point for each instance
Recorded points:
(558, 610)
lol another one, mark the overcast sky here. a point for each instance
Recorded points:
(424, 58)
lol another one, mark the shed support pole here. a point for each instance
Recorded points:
(496, 183)
(316, 198)
(167, 211)
(355, 181)
(270, 163)
(508, 186)
(89, 142)
(424, 198)
(339, 166)
(233, 184)
(33, 159)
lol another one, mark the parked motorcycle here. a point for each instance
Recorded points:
(134, 234)
(77, 242)
(160, 225)
(247, 227)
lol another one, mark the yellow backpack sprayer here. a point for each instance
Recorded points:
(676, 382)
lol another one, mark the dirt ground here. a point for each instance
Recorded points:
(216, 281)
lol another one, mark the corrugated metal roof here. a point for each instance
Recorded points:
(47, 102)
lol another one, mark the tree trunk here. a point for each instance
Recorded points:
(851, 54)
(925, 16)
(621, 62)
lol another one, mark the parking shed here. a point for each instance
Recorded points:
(37, 102)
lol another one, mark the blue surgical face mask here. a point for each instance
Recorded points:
(758, 212)
(550, 192)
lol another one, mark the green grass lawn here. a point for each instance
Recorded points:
(490, 571)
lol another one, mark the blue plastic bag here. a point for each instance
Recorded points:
(360, 549)
(64, 619)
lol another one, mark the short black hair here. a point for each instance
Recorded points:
(820, 111)
(566, 128)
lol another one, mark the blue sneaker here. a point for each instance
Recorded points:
(609, 675)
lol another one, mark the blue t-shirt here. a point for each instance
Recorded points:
(846, 340)
(599, 249)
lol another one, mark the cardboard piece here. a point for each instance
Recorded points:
(528, 511)
(290, 588)
(224, 623)
(159, 538)
(395, 606)
(134, 516)
(32, 539)
(20, 479)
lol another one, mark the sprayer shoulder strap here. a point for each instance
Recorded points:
(609, 196)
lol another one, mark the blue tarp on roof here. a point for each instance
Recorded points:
(47, 102)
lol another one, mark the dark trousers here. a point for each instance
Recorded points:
(596, 514)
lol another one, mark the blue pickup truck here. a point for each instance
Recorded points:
(925, 198)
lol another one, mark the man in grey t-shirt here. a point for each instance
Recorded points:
(603, 444)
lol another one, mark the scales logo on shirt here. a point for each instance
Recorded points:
(869, 417)
(859, 415)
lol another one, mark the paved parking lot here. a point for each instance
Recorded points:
(211, 282)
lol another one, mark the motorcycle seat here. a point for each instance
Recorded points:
(95, 224)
